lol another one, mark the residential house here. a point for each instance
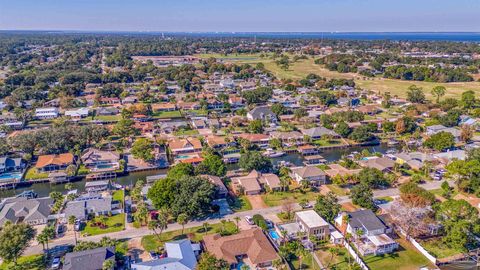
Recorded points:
(164, 107)
(261, 140)
(185, 145)
(99, 160)
(432, 130)
(319, 132)
(216, 141)
(311, 174)
(77, 113)
(369, 232)
(221, 190)
(414, 160)
(250, 247)
(338, 170)
(110, 101)
(370, 109)
(11, 164)
(81, 208)
(107, 111)
(289, 137)
(91, 259)
(262, 113)
(46, 113)
(47, 163)
(31, 211)
(255, 182)
(181, 255)
(383, 164)
(312, 224)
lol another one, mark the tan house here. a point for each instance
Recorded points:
(250, 247)
(255, 182)
(382, 163)
(186, 145)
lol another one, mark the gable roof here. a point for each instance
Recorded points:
(177, 143)
(365, 219)
(91, 259)
(318, 132)
(180, 257)
(17, 209)
(308, 171)
(93, 155)
(252, 243)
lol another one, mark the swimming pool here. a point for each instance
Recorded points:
(274, 234)
(7, 176)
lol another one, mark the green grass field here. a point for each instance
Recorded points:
(406, 258)
(151, 242)
(272, 199)
(438, 249)
(239, 204)
(114, 223)
(32, 262)
(171, 114)
(337, 261)
(301, 68)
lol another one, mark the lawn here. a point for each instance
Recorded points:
(337, 261)
(33, 174)
(114, 224)
(307, 263)
(278, 198)
(240, 203)
(302, 68)
(186, 132)
(438, 249)
(338, 190)
(32, 262)
(406, 258)
(151, 242)
(118, 195)
(323, 142)
(170, 114)
(108, 118)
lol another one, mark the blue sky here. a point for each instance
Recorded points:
(241, 15)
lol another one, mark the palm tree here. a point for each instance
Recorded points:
(284, 235)
(237, 220)
(108, 265)
(205, 227)
(334, 251)
(71, 221)
(182, 219)
(301, 253)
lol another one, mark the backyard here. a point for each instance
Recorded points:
(405, 258)
(152, 242)
(334, 257)
(170, 114)
(33, 174)
(112, 224)
(438, 249)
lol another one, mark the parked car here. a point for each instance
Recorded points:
(129, 218)
(77, 226)
(269, 223)
(249, 220)
(56, 263)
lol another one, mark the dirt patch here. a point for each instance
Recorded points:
(471, 199)
(256, 201)
(136, 250)
(349, 207)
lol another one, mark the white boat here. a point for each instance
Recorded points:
(273, 154)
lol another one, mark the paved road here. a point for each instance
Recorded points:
(131, 232)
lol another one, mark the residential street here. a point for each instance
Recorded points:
(131, 232)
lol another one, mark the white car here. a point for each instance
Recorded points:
(56, 263)
(249, 220)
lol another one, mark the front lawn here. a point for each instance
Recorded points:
(240, 203)
(108, 118)
(438, 249)
(32, 262)
(405, 258)
(33, 174)
(186, 132)
(113, 224)
(272, 199)
(307, 263)
(338, 190)
(151, 242)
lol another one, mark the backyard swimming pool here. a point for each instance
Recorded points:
(274, 234)
(7, 176)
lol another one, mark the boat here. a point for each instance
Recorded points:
(392, 143)
(273, 154)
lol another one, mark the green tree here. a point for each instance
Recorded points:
(108, 265)
(192, 196)
(143, 148)
(440, 141)
(124, 128)
(362, 196)
(212, 164)
(438, 92)
(468, 99)
(327, 206)
(415, 94)
(278, 109)
(255, 126)
(14, 239)
(182, 219)
(299, 113)
(373, 178)
(252, 160)
(208, 262)
(160, 223)
(342, 129)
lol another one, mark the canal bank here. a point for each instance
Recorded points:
(331, 155)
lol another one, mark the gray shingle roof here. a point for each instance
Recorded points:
(91, 259)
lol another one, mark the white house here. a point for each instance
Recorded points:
(46, 113)
(78, 113)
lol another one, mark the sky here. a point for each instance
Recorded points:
(242, 15)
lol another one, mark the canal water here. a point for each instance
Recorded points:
(43, 189)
